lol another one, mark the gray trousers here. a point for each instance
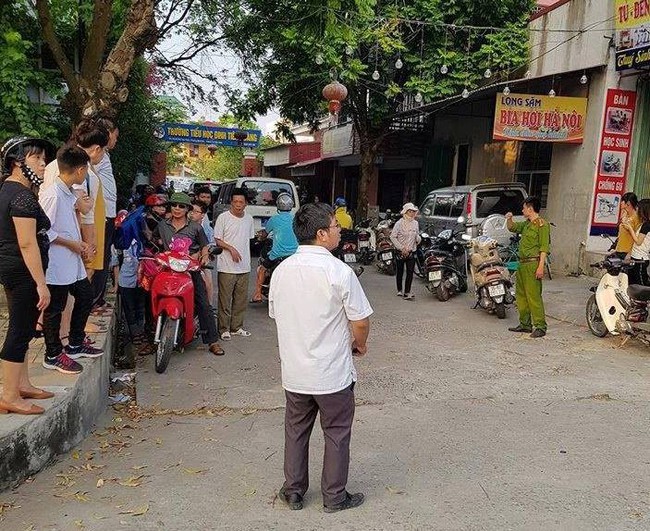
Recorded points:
(233, 299)
(336, 415)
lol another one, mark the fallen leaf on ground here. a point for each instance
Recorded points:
(137, 512)
(80, 524)
(100, 483)
(133, 481)
(193, 471)
(76, 454)
(81, 496)
(65, 480)
(139, 467)
(394, 490)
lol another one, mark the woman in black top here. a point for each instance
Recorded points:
(23, 260)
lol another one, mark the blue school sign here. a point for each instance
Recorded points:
(205, 134)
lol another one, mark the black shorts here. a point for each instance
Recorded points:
(267, 263)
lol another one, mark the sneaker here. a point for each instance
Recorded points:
(400, 294)
(226, 336)
(409, 296)
(63, 363)
(351, 501)
(83, 351)
(241, 332)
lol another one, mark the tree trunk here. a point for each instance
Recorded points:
(368, 150)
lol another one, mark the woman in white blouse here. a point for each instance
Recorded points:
(405, 237)
(638, 273)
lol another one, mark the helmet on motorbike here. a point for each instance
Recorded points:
(340, 202)
(17, 148)
(284, 202)
(156, 200)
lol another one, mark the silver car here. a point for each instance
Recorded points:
(442, 208)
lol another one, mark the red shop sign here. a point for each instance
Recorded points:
(613, 161)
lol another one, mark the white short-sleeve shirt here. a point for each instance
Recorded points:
(237, 232)
(109, 186)
(313, 297)
(65, 266)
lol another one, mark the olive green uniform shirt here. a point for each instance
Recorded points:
(535, 237)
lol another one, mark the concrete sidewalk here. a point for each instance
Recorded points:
(28, 443)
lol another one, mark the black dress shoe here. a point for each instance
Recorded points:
(520, 328)
(538, 332)
(351, 501)
(294, 501)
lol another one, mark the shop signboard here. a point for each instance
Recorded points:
(632, 21)
(613, 161)
(534, 118)
(205, 134)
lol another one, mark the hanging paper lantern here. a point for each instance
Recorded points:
(335, 93)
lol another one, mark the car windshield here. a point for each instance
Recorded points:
(265, 193)
(490, 202)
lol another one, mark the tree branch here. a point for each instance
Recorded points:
(166, 26)
(97, 36)
(180, 58)
(49, 35)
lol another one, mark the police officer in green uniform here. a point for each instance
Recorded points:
(533, 248)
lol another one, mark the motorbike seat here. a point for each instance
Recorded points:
(639, 293)
(488, 264)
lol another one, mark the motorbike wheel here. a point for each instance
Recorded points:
(442, 293)
(390, 270)
(462, 284)
(358, 271)
(166, 345)
(594, 319)
(500, 310)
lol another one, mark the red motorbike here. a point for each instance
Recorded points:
(168, 277)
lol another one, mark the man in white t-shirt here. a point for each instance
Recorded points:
(233, 231)
(322, 317)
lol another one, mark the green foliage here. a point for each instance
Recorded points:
(137, 120)
(280, 41)
(223, 165)
(20, 77)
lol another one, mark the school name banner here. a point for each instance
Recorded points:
(205, 134)
(632, 23)
(529, 117)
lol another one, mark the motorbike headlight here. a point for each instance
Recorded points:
(179, 265)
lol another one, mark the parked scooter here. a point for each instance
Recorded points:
(492, 284)
(364, 237)
(616, 308)
(348, 249)
(172, 300)
(446, 265)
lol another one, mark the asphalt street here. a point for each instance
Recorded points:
(460, 424)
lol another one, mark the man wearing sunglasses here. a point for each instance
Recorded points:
(180, 225)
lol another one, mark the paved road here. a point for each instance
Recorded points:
(460, 425)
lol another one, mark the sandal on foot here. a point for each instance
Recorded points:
(241, 332)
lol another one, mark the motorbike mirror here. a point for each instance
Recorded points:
(466, 237)
(461, 219)
(425, 235)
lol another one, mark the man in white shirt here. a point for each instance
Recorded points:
(233, 232)
(322, 318)
(66, 274)
(104, 169)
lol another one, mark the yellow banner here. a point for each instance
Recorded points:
(529, 117)
(631, 13)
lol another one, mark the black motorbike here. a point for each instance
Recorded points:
(348, 250)
(446, 265)
(365, 254)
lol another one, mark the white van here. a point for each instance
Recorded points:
(261, 193)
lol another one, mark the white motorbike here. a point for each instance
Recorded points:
(616, 308)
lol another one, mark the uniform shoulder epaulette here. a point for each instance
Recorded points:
(539, 222)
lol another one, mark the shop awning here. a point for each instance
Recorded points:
(305, 163)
